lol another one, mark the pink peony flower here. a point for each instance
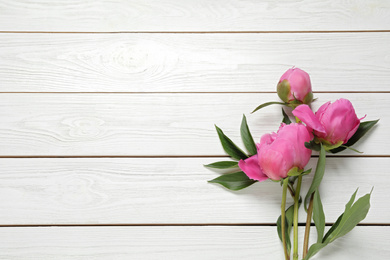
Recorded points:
(333, 124)
(278, 153)
(295, 85)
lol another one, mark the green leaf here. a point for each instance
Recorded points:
(346, 222)
(286, 119)
(318, 216)
(289, 221)
(268, 104)
(332, 228)
(351, 217)
(314, 250)
(247, 137)
(351, 200)
(223, 165)
(312, 145)
(319, 174)
(364, 127)
(229, 147)
(234, 181)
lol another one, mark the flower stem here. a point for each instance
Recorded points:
(307, 229)
(296, 207)
(283, 218)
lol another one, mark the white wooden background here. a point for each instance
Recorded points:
(108, 110)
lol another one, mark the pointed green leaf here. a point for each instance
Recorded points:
(234, 181)
(319, 174)
(223, 165)
(229, 147)
(318, 216)
(346, 222)
(289, 221)
(286, 119)
(268, 104)
(332, 228)
(247, 138)
(364, 127)
(314, 250)
(351, 200)
(351, 217)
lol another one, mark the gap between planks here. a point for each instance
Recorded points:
(177, 225)
(168, 156)
(199, 32)
(200, 92)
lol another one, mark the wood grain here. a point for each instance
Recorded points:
(191, 62)
(177, 243)
(154, 124)
(191, 15)
(168, 191)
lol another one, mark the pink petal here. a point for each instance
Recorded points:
(252, 168)
(351, 133)
(304, 113)
(273, 164)
(340, 120)
(320, 112)
(300, 83)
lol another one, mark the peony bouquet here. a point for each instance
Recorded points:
(283, 155)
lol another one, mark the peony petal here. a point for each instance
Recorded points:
(304, 113)
(300, 84)
(295, 135)
(339, 121)
(273, 164)
(351, 133)
(252, 168)
(320, 112)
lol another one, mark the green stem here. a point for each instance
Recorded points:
(296, 207)
(307, 229)
(283, 218)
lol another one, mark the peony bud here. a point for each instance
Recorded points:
(333, 124)
(294, 87)
(278, 153)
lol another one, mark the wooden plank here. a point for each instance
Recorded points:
(190, 62)
(153, 124)
(168, 190)
(191, 15)
(210, 242)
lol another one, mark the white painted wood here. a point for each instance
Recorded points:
(112, 191)
(191, 62)
(154, 124)
(207, 242)
(191, 15)
(168, 190)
